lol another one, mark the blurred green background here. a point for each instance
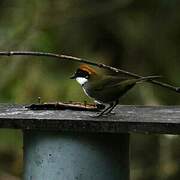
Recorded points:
(136, 35)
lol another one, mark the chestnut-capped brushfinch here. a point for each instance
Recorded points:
(105, 88)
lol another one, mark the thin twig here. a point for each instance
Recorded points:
(82, 60)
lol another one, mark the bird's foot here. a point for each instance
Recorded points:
(102, 114)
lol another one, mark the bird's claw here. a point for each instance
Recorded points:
(102, 115)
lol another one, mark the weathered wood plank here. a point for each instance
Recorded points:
(143, 119)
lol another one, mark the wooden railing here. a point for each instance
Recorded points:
(72, 145)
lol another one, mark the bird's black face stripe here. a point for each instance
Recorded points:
(81, 73)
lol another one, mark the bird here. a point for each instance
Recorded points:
(104, 88)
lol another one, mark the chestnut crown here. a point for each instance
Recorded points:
(84, 71)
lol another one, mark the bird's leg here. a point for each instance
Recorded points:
(106, 109)
(112, 107)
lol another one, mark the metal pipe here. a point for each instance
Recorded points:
(52, 155)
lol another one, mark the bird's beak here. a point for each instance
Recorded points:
(73, 76)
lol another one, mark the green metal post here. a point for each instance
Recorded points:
(75, 156)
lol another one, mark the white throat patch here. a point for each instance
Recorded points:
(81, 80)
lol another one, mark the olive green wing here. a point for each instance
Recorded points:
(110, 82)
(120, 82)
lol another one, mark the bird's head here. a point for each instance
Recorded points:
(83, 74)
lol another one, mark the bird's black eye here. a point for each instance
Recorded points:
(81, 73)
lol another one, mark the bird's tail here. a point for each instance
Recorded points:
(146, 78)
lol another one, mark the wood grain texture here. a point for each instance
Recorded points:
(141, 119)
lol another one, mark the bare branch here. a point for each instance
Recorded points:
(82, 60)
